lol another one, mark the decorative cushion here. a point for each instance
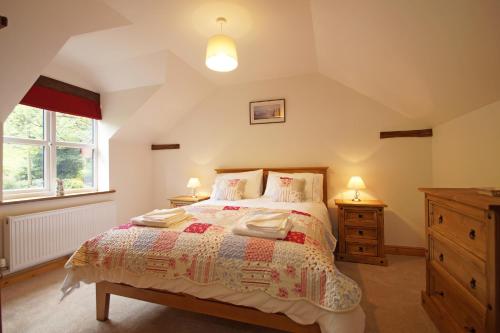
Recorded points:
(313, 186)
(289, 190)
(253, 186)
(229, 189)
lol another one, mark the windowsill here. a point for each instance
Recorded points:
(53, 197)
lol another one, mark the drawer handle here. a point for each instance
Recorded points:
(441, 257)
(360, 249)
(360, 232)
(470, 329)
(440, 293)
(472, 234)
(473, 283)
(440, 219)
(360, 216)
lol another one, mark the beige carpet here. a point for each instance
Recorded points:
(391, 302)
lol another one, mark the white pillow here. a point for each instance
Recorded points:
(253, 186)
(313, 187)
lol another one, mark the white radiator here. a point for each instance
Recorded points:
(35, 238)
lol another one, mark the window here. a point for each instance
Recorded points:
(41, 146)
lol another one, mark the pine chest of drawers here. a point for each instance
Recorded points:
(361, 231)
(462, 260)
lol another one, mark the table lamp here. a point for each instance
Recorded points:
(193, 183)
(356, 184)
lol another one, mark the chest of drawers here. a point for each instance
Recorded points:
(361, 231)
(462, 260)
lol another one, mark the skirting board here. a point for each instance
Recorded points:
(33, 271)
(405, 250)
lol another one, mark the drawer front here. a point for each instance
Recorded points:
(360, 232)
(179, 203)
(467, 232)
(360, 217)
(360, 214)
(468, 314)
(469, 272)
(361, 249)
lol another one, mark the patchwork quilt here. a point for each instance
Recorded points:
(203, 250)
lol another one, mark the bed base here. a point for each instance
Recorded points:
(190, 303)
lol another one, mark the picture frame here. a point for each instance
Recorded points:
(267, 111)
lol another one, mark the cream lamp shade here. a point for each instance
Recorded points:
(356, 184)
(193, 183)
(221, 52)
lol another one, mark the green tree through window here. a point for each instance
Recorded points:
(35, 140)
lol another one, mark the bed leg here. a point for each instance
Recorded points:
(102, 302)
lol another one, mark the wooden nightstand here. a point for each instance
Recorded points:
(185, 200)
(361, 231)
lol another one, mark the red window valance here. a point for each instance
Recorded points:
(54, 95)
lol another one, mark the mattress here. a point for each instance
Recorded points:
(301, 311)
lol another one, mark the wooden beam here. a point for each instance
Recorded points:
(167, 146)
(67, 88)
(3, 22)
(406, 134)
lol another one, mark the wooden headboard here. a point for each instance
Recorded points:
(321, 170)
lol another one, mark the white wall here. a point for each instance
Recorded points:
(326, 124)
(466, 150)
(131, 176)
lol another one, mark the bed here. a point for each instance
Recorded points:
(209, 276)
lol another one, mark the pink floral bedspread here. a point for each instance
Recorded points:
(205, 251)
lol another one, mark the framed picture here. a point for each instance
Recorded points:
(266, 112)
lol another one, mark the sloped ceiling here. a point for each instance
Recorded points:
(274, 38)
(429, 60)
(36, 32)
(182, 90)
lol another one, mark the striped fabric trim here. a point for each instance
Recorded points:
(230, 189)
(289, 190)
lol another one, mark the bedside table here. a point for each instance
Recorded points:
(185, 200)
(361, 231)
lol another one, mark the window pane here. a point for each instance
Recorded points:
(73, 129)
(23, 166)
(75, 166)
(24, 122)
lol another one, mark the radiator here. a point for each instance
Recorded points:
(35, 238)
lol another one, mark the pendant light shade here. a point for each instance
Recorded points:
(221, 52)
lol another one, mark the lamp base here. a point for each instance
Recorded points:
(356, 196)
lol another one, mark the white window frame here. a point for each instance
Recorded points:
(50, 159)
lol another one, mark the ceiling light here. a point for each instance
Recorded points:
(221, 51)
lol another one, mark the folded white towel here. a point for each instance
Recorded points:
(164, 213)
(270, 225)
(242, 229)
(266, 220)
(148, 220)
